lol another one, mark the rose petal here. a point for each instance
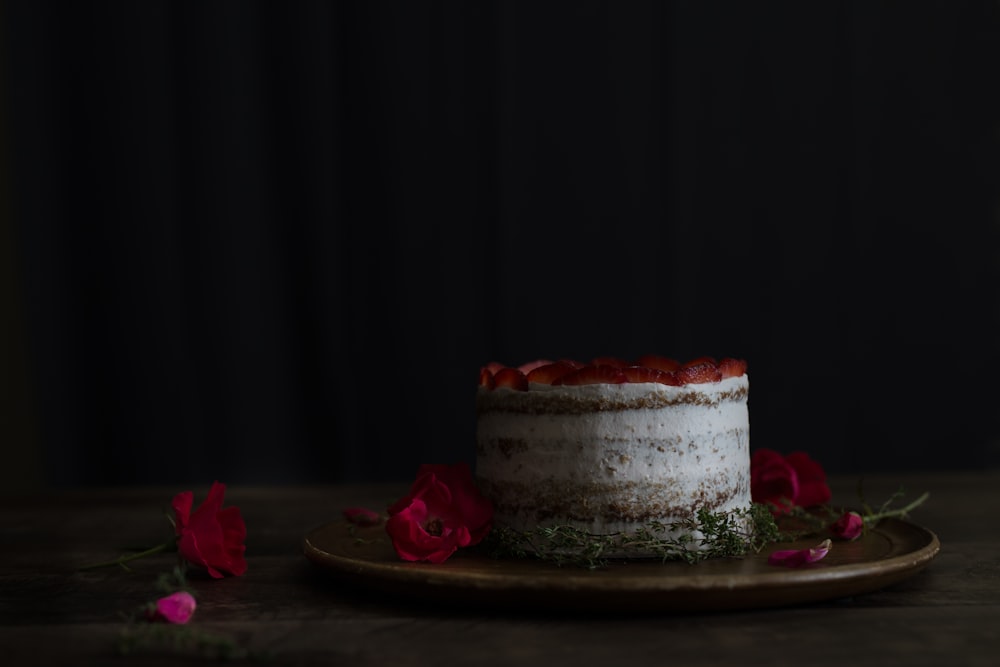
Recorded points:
(176, 607)
(362, 516)
(798, 557)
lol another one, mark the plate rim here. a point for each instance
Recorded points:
(463, 579)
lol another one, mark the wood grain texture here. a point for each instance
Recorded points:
(292, 611)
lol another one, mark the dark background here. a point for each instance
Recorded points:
(274, 242)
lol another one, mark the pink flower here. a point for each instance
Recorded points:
(798, 557)
(849, 526)
(175, 608)
(443, 511)
(210, 537)
(789, 481)
(362, 516)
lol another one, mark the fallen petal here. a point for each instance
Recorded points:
(362, 516)
(176, 607)
(798, 557)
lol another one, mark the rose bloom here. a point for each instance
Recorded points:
(849, 526)
(210, 537)
(789, 481)
(443, 511)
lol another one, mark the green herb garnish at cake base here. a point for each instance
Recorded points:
(722, 535)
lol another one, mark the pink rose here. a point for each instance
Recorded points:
(174, 608)
(210, 537)
(443, 511)
(849, 526)
(789, 481)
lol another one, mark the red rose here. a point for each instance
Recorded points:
(849, 526)
(442, 512)
(784, 482)
(210, 537)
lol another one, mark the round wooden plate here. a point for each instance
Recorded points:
(887, 554)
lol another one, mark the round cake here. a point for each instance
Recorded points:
(629, 458)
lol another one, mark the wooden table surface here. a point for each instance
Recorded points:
(288, 611)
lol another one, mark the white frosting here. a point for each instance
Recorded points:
(679, 456)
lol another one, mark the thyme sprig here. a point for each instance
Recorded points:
(722, 535)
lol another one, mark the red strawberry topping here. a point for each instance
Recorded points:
(698, 361)
(532, 365)
(549, 373)
(698, 373)
(609, 361)
(731, 368)
(593, 375)
(612, 370)
(647, 374)
(659, 362)
(511, 378)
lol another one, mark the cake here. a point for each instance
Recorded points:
(628, 456)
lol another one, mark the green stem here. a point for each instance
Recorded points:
(903, 511)
(121, 560)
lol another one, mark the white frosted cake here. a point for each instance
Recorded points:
(613, 448)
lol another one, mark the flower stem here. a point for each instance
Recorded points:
(901, 512)
(122, 560)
